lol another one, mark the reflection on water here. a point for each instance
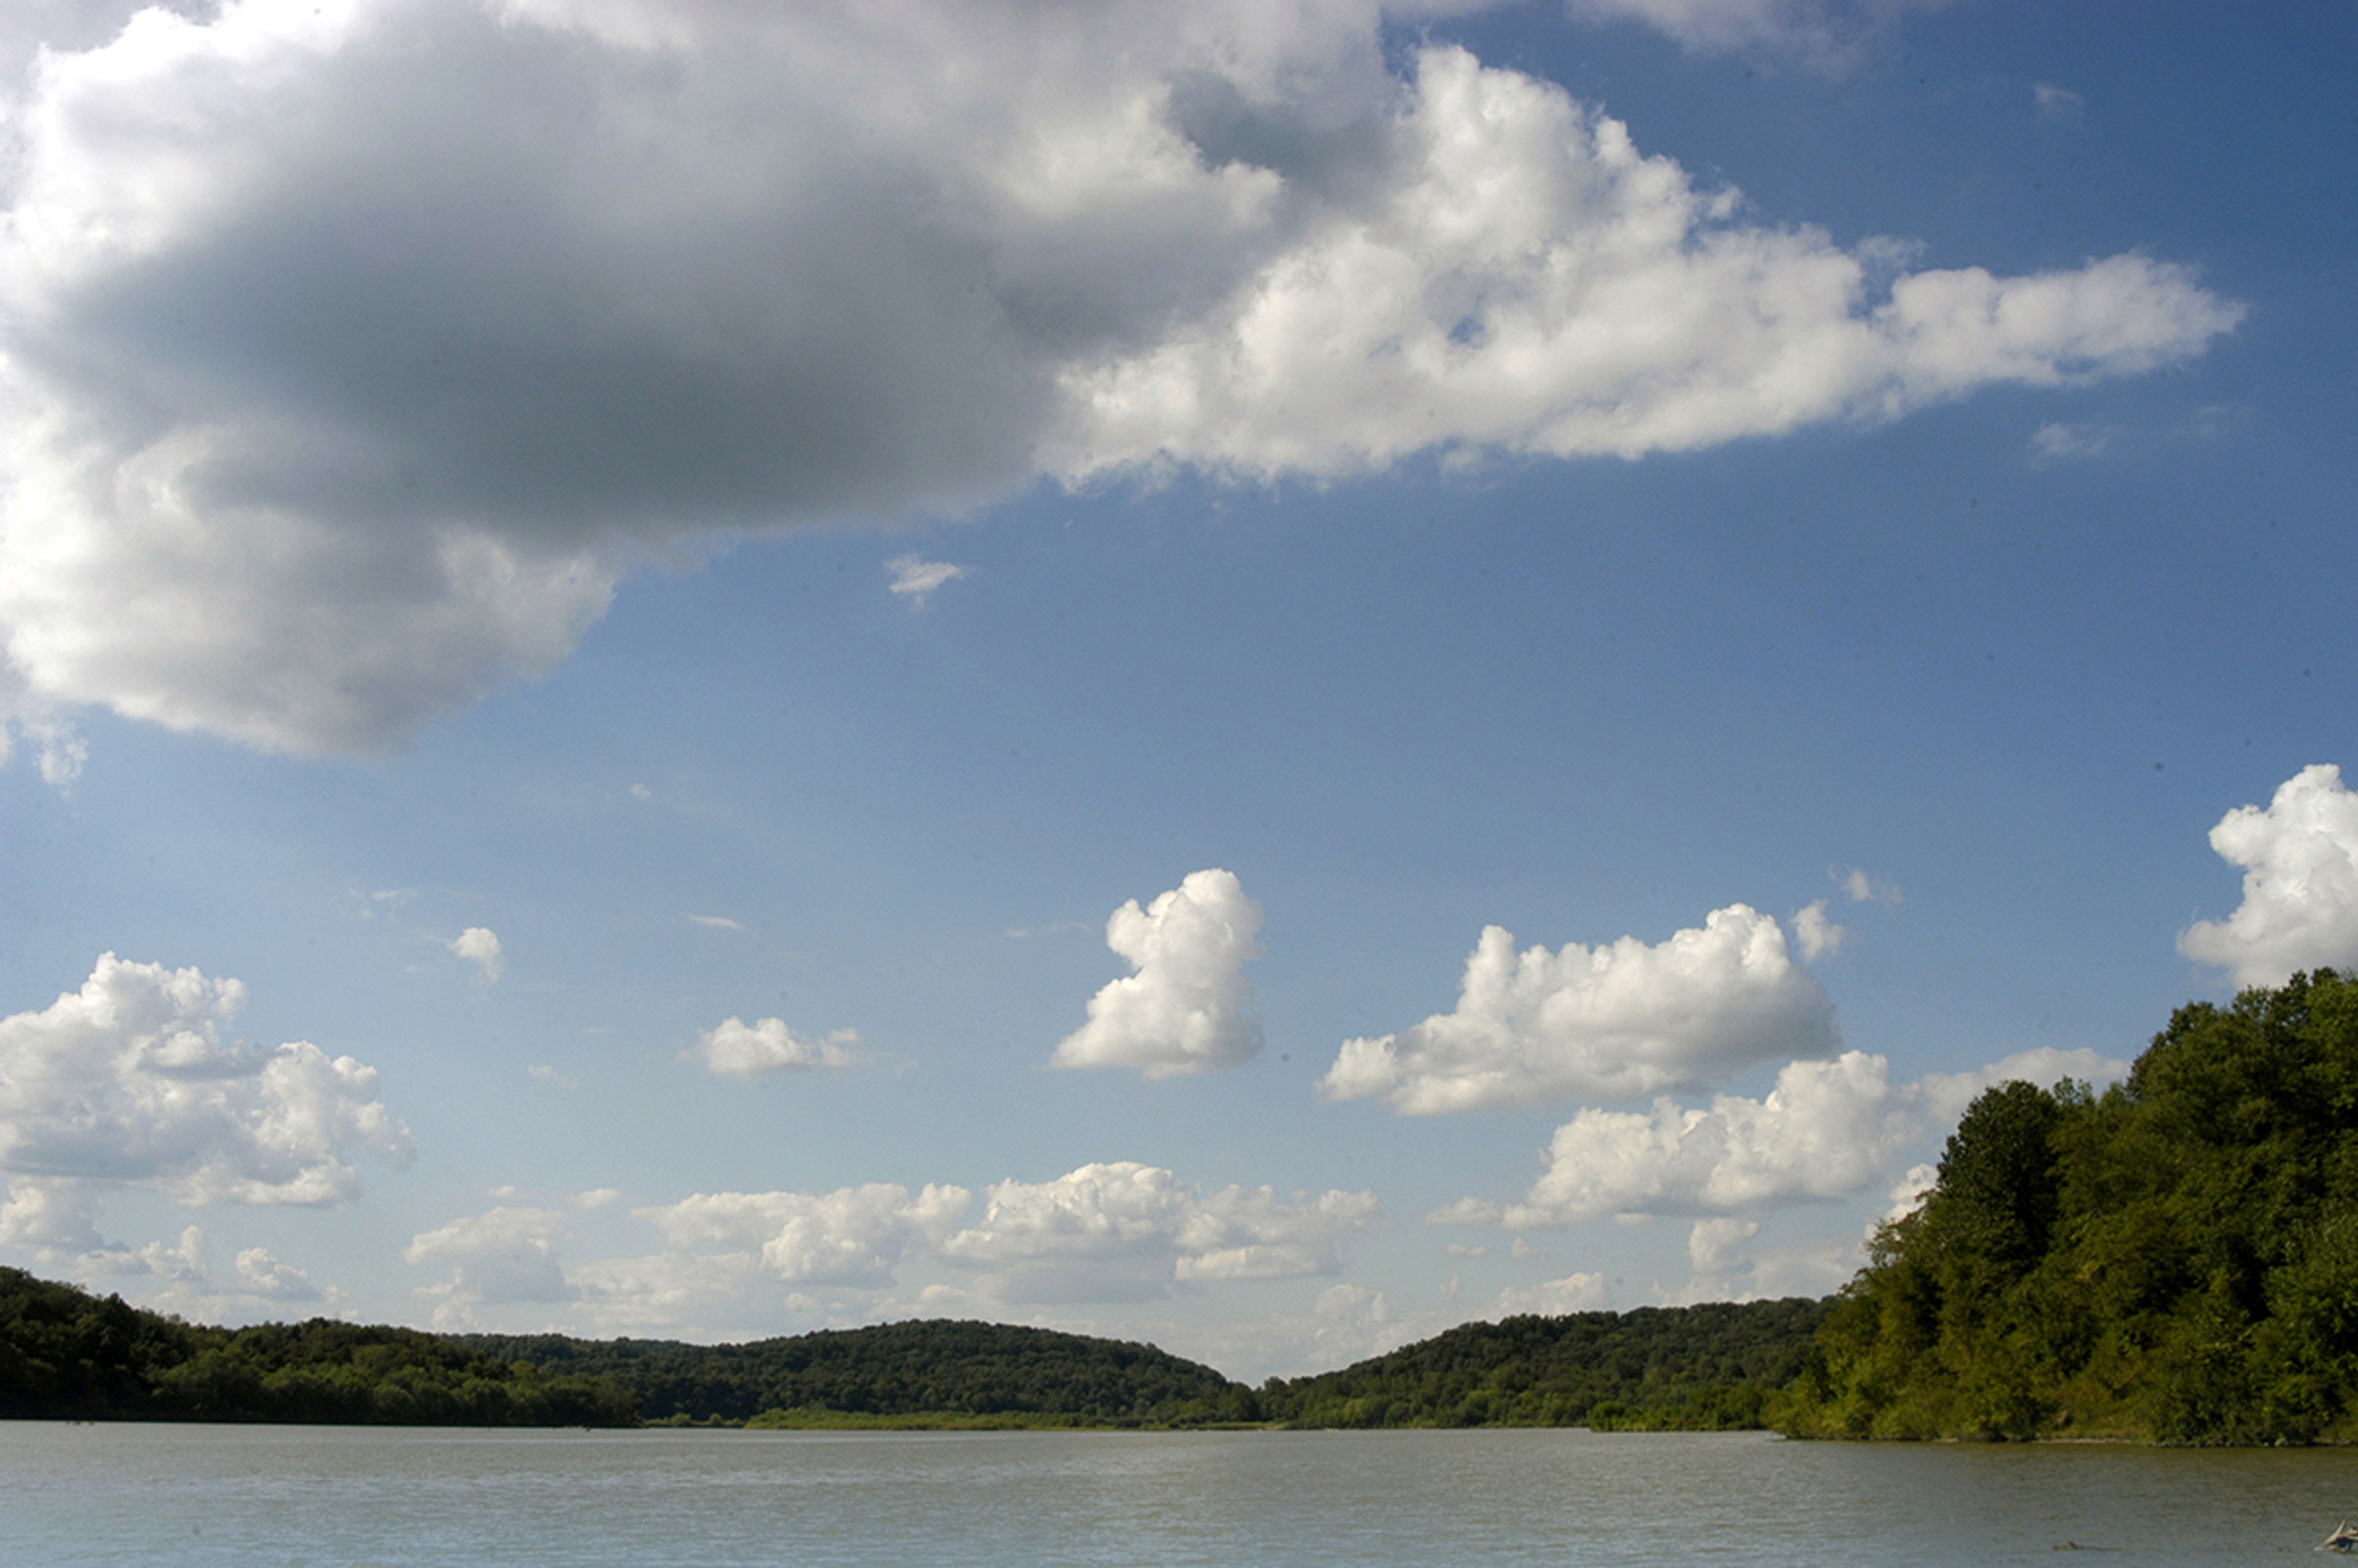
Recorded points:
(256, 1496)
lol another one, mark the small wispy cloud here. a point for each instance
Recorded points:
(1863, 888)
(1053, 928)
(543, 1072)
(2212, 420)
(2059, 442)
(1817, 933)
(717, 922)
(916, 577)
(2056, 103)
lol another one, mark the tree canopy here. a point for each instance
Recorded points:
(898, 1370)
(2175, 1259)
(66, 1354)
(1697, 1367)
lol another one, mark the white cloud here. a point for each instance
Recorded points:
(669, 1292)
(1825, 32)
(264, 1275)
(129, 1080)
(1713, 1244)
(1342, 1323)
(2056, 103)
(1818, 935)
(1607, 1023)
(49, 1215)
(497, 1258)
(2057, 441)
(723, 1261)
(181, 1262)
(1188, 1008)
(1556, 1298)
(1250, 1233)
(717, 922)
(1944, 1095)
(58, 750)
(1824, 1131)
(175, 1276)
(1126, 1231)
(2299, 856)
(1909, 1193)
(914, 577)
(1526, 281)
(1863, 888)
(737, 1049)
(480, 945)
(1827, 1129)
(852, 1236)
(1725, 1266)
(351, 356)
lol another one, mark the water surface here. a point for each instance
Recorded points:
(253, 1496)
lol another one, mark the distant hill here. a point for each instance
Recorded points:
(897, 1369)
(1694, 1368)
(68, 1355)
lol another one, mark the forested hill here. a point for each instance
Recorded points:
(1697, 1367)
(2175, 1259)
(898, 1370)
(66, 1354)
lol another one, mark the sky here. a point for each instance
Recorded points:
(1261, 676)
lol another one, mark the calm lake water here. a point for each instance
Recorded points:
(260, 1495)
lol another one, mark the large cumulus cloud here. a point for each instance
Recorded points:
(2300, 855)
(351, 354)
(1188, 1008)
(130, 1081)
(1828, 1130)
(1607, 1023)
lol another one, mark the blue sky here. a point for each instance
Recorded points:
(607, 605)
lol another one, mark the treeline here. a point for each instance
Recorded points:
(68, 1355)
(897, 1371)
(2175, 1259)
(1696, 1369)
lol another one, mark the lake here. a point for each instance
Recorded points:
(251, 1496)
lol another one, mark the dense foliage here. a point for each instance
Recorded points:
(65, 1353)
(1693, 1368)
(898, 1370)
(2174, 1260)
